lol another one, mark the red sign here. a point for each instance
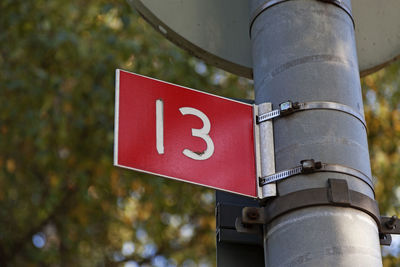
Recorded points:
(184, 134)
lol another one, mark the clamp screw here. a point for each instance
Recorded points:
(309, 165)
(288, 107)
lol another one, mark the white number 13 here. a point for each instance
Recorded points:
(201, 133)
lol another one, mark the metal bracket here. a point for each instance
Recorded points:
(389, 226)
(264, 150)
(290, 107)
(336, 194)
(247, 228)
(311, 166)
(227, 223)
(269, 3)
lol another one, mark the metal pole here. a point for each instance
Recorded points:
(304, 50)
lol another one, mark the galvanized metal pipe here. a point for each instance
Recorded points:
(304, 50)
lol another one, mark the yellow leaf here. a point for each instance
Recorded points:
(54, 180)
(67, 107)
(10, 165)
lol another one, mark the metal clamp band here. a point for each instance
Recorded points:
(336, 194)
(290, 107)
(269, 3)
(310, 166)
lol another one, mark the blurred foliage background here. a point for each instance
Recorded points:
(62, 203)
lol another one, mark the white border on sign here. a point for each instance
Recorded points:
(116, 118)
(116, 121)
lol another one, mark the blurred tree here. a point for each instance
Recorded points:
(382, 111)
(62, 202)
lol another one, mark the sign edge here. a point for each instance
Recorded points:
(188, 88)
(116, 116)
(183, 180)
